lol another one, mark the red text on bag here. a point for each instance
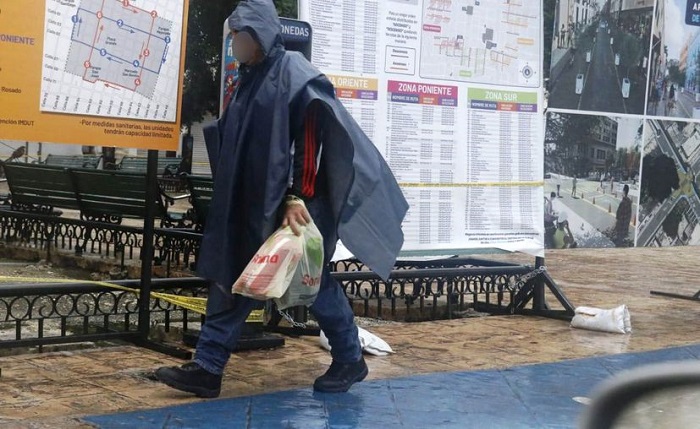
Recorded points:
(307, 280)
(266, 259)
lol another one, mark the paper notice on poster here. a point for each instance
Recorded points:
(452, 98)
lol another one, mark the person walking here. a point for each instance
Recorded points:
(623, 217)
(283, 153)
(558, 182)
(670, 104)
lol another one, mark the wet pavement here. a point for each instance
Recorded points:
(547, 396)
(459, 356)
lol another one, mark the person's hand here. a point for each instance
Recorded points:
(296, 216)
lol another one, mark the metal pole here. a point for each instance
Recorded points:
(538, 301)
(147, 249)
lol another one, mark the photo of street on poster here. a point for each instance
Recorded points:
(674, 87)
(600, 55)
(591, 180)
(670, 190)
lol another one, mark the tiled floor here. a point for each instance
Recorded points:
(536, 396)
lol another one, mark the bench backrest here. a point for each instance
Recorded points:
(73, 161)
(40, 185)
(114, 193)
(139, 164)
(201, 190)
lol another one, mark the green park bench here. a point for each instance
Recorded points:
(99, 195)
(73, 161)
(167, 167)
(169, 176)
(109, 196)
(201, 189)
(40, 188)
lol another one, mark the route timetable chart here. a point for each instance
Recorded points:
(115, 58)
(501, 147)
(476, 41)
(359, 96)
(345, 35)
(451, 94)
(421, 146)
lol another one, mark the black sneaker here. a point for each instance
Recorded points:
(341, 376)
(191, 378)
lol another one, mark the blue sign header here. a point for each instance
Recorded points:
(297, 31)
(692, 13)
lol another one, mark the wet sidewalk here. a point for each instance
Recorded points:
(57, 390)
(550, 396)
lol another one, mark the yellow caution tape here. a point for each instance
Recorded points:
(192, 303)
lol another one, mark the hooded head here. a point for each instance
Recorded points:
(258, 18)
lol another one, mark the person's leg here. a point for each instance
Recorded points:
(333, 313)
(226, 315)
(222, 329)
(335, 317)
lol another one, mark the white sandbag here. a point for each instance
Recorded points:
(616, 320)
(369, 342)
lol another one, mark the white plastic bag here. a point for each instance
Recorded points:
(369, 342)
(306, 282)
(271, 270)
(616, 320)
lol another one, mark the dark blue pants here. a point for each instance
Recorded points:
(226, 313)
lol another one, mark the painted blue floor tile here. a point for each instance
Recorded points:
(694, 350)
(499, 421)
(353, 418)
(618, 363)
(527, 397)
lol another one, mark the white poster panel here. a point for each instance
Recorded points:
(450, 91)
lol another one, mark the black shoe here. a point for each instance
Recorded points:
(341, 376)
(191, 378)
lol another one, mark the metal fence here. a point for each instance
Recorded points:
(416, 291)
(44, 314)
(174, 248)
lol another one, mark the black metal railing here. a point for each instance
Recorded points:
(42, 314)
(37, 315)
(431, 290)
(416, 290)
(174, 248)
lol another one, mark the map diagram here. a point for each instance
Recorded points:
(482, 41)
(122, 55)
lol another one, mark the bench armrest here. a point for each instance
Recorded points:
(180, 197)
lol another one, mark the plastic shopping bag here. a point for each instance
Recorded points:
(306, 282)
(369, 342)
(273, 267)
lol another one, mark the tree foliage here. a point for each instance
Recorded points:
(626, 162)
(203, 58)
(659, 178)
(676, 75)
(630, 51)
(566, 136)
(673, 220)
